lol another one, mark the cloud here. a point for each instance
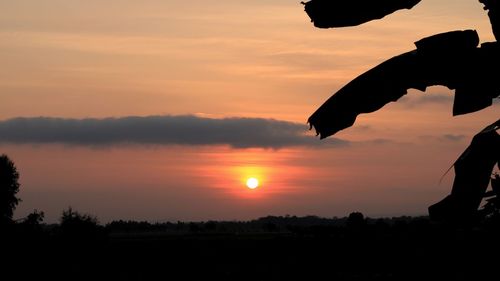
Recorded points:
(452, 137)
(444, 138)
(161, 130)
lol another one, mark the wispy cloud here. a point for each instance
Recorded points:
(449, 138)
(452, 137)
(161, 130)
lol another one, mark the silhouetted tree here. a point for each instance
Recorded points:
(31, 225)
(9, 187)
(453, 59)
(35, 218)
(356, 220)
(74, 224)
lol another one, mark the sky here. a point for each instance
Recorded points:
(160, 110)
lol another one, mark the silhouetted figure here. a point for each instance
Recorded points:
(451, 59)
(9, 187)
(472, 175)
(340, 13)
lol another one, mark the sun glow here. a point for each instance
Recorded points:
(252, 183)
(229, 172)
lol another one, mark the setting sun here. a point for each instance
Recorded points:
(252, 183)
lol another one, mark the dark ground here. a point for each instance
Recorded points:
(273, 248)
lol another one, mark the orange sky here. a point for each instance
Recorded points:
(161, 183)
(245, 58)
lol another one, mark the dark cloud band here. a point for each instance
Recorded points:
(160, 130)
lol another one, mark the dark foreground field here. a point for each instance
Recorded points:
(274, 248)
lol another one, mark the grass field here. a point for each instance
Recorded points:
(409, 249)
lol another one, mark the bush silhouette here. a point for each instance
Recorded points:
(9, 187)
(35, 218)
(76, 225)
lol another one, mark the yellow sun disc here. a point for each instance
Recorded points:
(252, 183)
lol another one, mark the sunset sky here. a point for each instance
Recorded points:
(161, 109)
